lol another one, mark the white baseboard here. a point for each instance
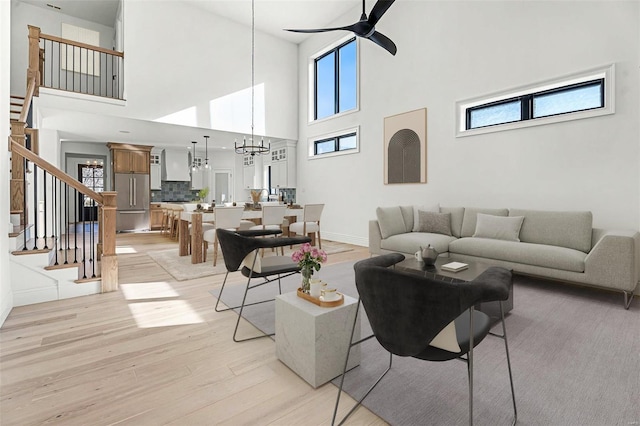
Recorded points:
(344, 238)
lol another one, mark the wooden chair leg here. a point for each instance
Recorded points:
(319, 239)
(215, 251)
(205, 247)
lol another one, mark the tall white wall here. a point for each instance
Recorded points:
(450, 51)
(180, 58)
(50, 22)
(6, 296)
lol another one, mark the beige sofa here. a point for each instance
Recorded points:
(557, 245)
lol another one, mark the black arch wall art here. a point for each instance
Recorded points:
(405, 147)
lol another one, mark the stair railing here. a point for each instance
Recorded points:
(71, 66)
(57, 225)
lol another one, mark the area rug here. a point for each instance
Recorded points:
(574, 354)
(181, 268)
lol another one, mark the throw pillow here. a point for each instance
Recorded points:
(424, 208)
(437, 223)
(447, 339)
(390, 221)
(498, 227)
(248, 262)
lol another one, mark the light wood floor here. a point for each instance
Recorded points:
(154, 352)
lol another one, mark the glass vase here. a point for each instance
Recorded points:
(307, 273)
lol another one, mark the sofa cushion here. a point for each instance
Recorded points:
(470, 217)
(457, 213)
(407, 216)
(412, 241)
(424, 208)
(437, 223)
(546, 256)
(498, 227)
(391, 221)
(563, 229)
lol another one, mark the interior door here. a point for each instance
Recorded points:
(222, 183)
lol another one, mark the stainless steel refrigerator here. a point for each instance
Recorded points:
(133, 202)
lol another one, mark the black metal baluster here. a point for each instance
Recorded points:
(84, 242)
(59, 65)
(92, 242)
(35, 207)
(56, 184)
(44, 189)
(75, 227)
(66, 222)
(25, 164)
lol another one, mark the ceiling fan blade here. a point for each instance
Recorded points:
(378, 10)
(383, 41)
(322, 30)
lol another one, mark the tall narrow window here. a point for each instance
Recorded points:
(335, 80)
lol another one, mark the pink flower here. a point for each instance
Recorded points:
(306, 248)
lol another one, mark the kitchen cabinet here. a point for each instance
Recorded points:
(156, 170)
(248, 177)
(283, 164)
(252, 171)
(130, 160)
(156, 216)
(279, 174)
(198, 179)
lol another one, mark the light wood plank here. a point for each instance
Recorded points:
(152, 352)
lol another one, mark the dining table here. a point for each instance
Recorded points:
(197, 218)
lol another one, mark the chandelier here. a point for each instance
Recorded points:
(251, 146)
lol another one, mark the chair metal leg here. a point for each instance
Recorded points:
(503, 336)
(244, 298)
(344, 372)
(470, 366)
(628, 297)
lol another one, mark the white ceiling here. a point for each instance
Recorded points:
(271, 16)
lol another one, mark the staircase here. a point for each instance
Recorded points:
(53, 253)
(45, 271)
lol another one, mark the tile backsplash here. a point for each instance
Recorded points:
(174, 191)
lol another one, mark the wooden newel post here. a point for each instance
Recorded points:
(33, 71)
(17, 187)
(109, 259)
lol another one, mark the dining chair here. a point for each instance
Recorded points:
(240, 252)
(224, 218)
(427, 319)
(310, 223)
(272, 218)
(175, 221)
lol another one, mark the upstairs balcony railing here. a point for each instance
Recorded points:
(76, 67)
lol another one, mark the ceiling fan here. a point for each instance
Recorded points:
(366, 27)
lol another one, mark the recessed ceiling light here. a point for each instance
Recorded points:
(53, 6)
(124, 131)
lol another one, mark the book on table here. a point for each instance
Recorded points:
(455, 266)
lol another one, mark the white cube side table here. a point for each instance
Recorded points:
(313, 341)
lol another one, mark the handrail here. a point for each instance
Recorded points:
(82, 45)
(51, 169)
(31, 88)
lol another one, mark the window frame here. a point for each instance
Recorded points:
(526, 95)
(313, 141)
(332, 48)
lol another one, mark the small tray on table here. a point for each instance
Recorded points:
(320, 302)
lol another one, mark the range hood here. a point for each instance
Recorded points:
(175, 165)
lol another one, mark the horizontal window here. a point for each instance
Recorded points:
(585, 95)
(345, 142)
